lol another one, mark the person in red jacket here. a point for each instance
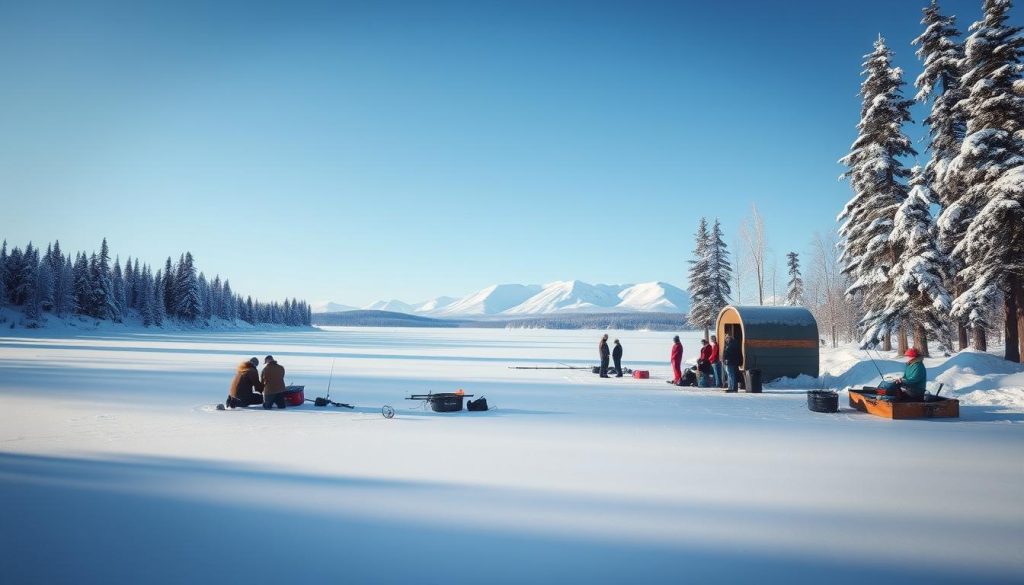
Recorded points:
(677, 360)
(716, 363)
(704, 364)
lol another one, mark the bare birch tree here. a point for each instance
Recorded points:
(752, 234)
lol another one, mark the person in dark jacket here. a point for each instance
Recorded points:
(731, 357)
(676, 359)
(602, 350)
(617, 358)
(246, 387)
(273, 383)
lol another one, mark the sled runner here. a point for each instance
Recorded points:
(869, 400)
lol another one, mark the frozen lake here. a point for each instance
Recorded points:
(114, 467)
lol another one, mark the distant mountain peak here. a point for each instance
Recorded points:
(559, 297)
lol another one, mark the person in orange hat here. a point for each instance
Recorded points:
(912, 385)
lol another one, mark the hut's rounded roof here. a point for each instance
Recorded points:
(772, 317)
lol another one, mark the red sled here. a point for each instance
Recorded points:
(641, 374)
(294, 395)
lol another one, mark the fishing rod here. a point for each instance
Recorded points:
(549, 367)
(327, 400)
(877, 368)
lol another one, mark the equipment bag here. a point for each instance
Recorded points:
(478, 404)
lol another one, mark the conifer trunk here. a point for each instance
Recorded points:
(1013, 313)
(921, 340)
(887, 343)
(961, 328)
(1020, 319)
(901, 340)
(979, 342)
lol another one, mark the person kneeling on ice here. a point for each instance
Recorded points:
(912, 385)
(273, 383)
(246, 387)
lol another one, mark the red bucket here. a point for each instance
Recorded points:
(641, 374)
(295, 395)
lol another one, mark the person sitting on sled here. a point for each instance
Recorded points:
(246, 388)
(912, 385)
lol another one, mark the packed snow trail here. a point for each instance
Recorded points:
(116, 468)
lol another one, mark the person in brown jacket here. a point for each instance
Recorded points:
(273, 383)
(246, 387)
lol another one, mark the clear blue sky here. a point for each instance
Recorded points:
(361, 150)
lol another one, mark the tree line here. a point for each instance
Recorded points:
(90, 285)
(952, 276)
(712, 277)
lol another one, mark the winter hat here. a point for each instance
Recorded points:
(268, 359)
(254, 361)
(912, 353)
(676, 338)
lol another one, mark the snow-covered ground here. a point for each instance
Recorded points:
(114, 467)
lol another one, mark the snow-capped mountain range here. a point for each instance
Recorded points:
(571, 296)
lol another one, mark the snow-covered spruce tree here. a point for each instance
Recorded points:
(34, 296)
(159, 302)
(795, 288)
(166, 282)
(129, 284)
(22, 274)
(876, 176)
(918, 298)
(42, 293)
(144, 294)
(117, 281)
(720, 270)
(700, 315)
(64, 290)
(990, 253)
(205, 300)
(3, 273)
(102, 302)
(217, 297)
(942, 53)
(186, 291)
(83, 288)
(230, 307)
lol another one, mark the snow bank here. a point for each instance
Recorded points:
(976, 378)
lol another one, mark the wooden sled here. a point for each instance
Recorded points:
(867, 400)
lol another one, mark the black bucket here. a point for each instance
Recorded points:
(752, 381)
(823, 401)
(446, 403)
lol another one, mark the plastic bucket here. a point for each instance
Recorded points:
(823, 401)
(446, 403)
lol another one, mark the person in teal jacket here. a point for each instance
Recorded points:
(915, 376)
